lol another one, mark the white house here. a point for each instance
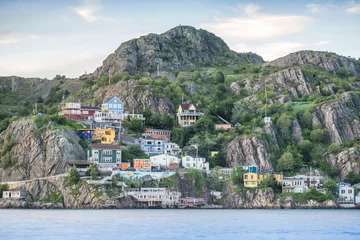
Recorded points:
(346, 196)
(197, 163)
(294, 185)
(21, 194)
(225, 173)
(172, 149)
(163, 160)
(101, 116)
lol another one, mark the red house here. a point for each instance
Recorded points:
(74, 110)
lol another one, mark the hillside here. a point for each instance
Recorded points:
(180, 48)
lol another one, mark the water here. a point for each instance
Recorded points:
(179, 224)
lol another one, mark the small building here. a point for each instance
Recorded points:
(223, 126)
(188, 114)
(74, 110)
(152, 146)
(196, 163)
(142, 164)
(86, 134)
(294, 185)
(213, 153)
(113, 105)
(107, 117)
(104, 155)
(20, 194)
(172, 149)
(251, 168)
(255, 179)
(225, 173)
(157, 133)
(267, 120)
(163, 160)
(191, 202)
(124, 166)
(346, 196)
(107, 136)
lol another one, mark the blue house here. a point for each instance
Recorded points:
(86, 134)
(252, 169)
(342, 184)
(113, 104)
(152, 146)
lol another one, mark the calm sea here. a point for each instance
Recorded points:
(179, 224)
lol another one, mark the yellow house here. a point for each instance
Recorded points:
(107, 136)
(255, 179)
(188, 114)
(213, 153)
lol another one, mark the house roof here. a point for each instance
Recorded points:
(186, 106)
(106, 146)
(153, 129)
(109, 99)
(90, 108)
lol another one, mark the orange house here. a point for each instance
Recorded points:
(141, 163)
(224, 126)
(124, 166)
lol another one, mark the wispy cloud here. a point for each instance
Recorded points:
(258, 26)
(315, 8)
(89, 11)
(13, 37)
(354, 8)
(271, 51)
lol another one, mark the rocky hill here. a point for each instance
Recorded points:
(180, 48)
(28, 152)
(325, 60)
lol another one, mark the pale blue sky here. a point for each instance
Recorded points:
(44, 38)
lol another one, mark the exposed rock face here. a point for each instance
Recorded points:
(235, 87)
(328, 61)
(346, 161)
(180, 48)
(38, 155)
(291, 79)
(339, 117)
(252, 198)
(249, 151)
(311, 204)
(296, 130)
(138, 97)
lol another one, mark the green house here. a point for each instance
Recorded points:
(106, 155)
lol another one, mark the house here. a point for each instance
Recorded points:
(20, 194)
(191, 202)
(142, 164)
(74, 110)
(225, 173)
(114, 105)
(223, 126)
(86, 134)
(124, 166)
(313, 180)
(129, 116)
(196, 163)
(152, 146)
(103, 116)
(104, 155)
(172, 149)
(188, 114)
(163, 160)
(252, 179)
(107, 136)
(267, 120)
(213, 153)
(156, 133)
(252, 169)
(342, 184)
(294, 185)
(346, 197)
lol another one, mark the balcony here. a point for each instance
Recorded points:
(188, 113)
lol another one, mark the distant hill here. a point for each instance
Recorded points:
(325, 60)
(181, 48)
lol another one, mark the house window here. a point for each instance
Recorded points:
(343, 191)
(96, 152)
(193, 164)
(118, 159)
(118, 152)
(107, 152)
(349, 191)
(110, 105)
(188, 165)
(119, 106)
(107, 159)
(107, 133)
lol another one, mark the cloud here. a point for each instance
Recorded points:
(14, 37)
(315, 8)
(354, 9)
(258, 26)
(271, 51)
(89, 11)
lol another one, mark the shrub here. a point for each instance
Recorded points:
(334, 148)
(3, 187)
(219, 77)
(73, 177)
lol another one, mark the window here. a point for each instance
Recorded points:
(107, 159)
(118, 152)
(188, 165)
(119, 106)
(107, 133)
(118, 159)
(342, 191)
(110, 105)
(193, 164)
(107, 152)
(349, 191)
(96, 152)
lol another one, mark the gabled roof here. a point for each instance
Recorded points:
(186, 106)
(106, 146)
(109, 99)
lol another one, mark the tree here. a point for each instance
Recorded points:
(318, 135)
(334, 148)
(73, 177)
(342, 72)
(136, 125)
(3, 187)
(94, 172)
(219, 77)
(286, 162)
(352, 178)
(195, 76)
(283, 124)
(331, 186)
(181, 77)
(237, 176)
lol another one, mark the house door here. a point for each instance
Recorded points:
(10, 195)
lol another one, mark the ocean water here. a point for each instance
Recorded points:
(179, 224)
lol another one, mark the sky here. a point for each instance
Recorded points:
(41, 38)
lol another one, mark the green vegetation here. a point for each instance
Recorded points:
(73, 177)
(3, 187)
(132, 152)
(53, 197)
(303, 198)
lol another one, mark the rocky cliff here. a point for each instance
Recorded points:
(340, 117)
(325, 60)
(180, 48)
(139, 97)
(31, 153)
(346, 161)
